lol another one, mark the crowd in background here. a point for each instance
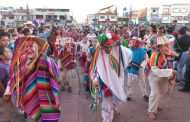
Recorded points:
(83, 42)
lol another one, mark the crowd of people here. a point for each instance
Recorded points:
(36, 63)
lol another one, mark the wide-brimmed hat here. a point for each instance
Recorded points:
(162, 40)
(29, 23)
(22, 43)
(136, 38)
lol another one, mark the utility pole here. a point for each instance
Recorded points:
(130, 14)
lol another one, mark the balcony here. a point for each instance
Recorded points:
(154, 14)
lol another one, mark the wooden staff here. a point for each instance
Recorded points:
(172, 83)
(80, 85)
(97, 112)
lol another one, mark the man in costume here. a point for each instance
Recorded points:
(33, 80)
(136, 68)
(107, 74)
(68, 62)
(161, 74)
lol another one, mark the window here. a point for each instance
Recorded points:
(183, 10)
(179, 18)
(166, 10)
(175, 10)
(11, 17)
(102, 17)
(112, 17)
(172, 18)
(185, 18)
(165, 18)
(39, 16)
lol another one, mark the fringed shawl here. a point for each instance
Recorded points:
(161, 61)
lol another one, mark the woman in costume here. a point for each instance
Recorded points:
(107, 74)
(33, 80)
(68, 62)
(90, 54)
(160, 75)
(57, 42)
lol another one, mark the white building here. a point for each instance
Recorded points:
(48, 15)
(107, 18)
(7, 16)
(91, 19)
(154, 15)
(179, 12)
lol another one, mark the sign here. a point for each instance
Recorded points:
(50, 13)
(11, 24)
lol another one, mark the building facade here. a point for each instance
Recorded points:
(15, 17)
(135, 17)
(154, 15)
(50, 15)
(7, 16)
(91, 19)
(179, 12)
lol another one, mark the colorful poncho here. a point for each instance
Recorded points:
(68, 58)
(161, 61)
(37, 90)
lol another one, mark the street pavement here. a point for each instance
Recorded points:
(75, 107)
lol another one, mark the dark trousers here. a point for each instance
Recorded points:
(187, 75)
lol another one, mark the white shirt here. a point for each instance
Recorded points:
(91, 36)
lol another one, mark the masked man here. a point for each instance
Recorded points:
(107, 74)
(33, 80)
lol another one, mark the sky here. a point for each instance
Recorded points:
(81, 8)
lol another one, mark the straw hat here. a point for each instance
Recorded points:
(162, 40)
(29, 23)
(22, 43)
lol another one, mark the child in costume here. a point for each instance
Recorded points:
(6, 107)
(68, 62)
(160, 75)
(136, 69)
(33, 80)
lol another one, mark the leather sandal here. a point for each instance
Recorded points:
(151, 116)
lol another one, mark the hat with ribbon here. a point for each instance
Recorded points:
(162, 40)
(22, 44)
(108, 39)
(29, 23)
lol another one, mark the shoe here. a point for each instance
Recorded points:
(181, 83)
(159, 109)
(151, 116)
(62, 88)
(146, 97)
(128, 98)
(184, 90)
(69, 89)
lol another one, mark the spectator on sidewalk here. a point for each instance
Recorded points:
(184, 43)
(186, 87)
(5, 102)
